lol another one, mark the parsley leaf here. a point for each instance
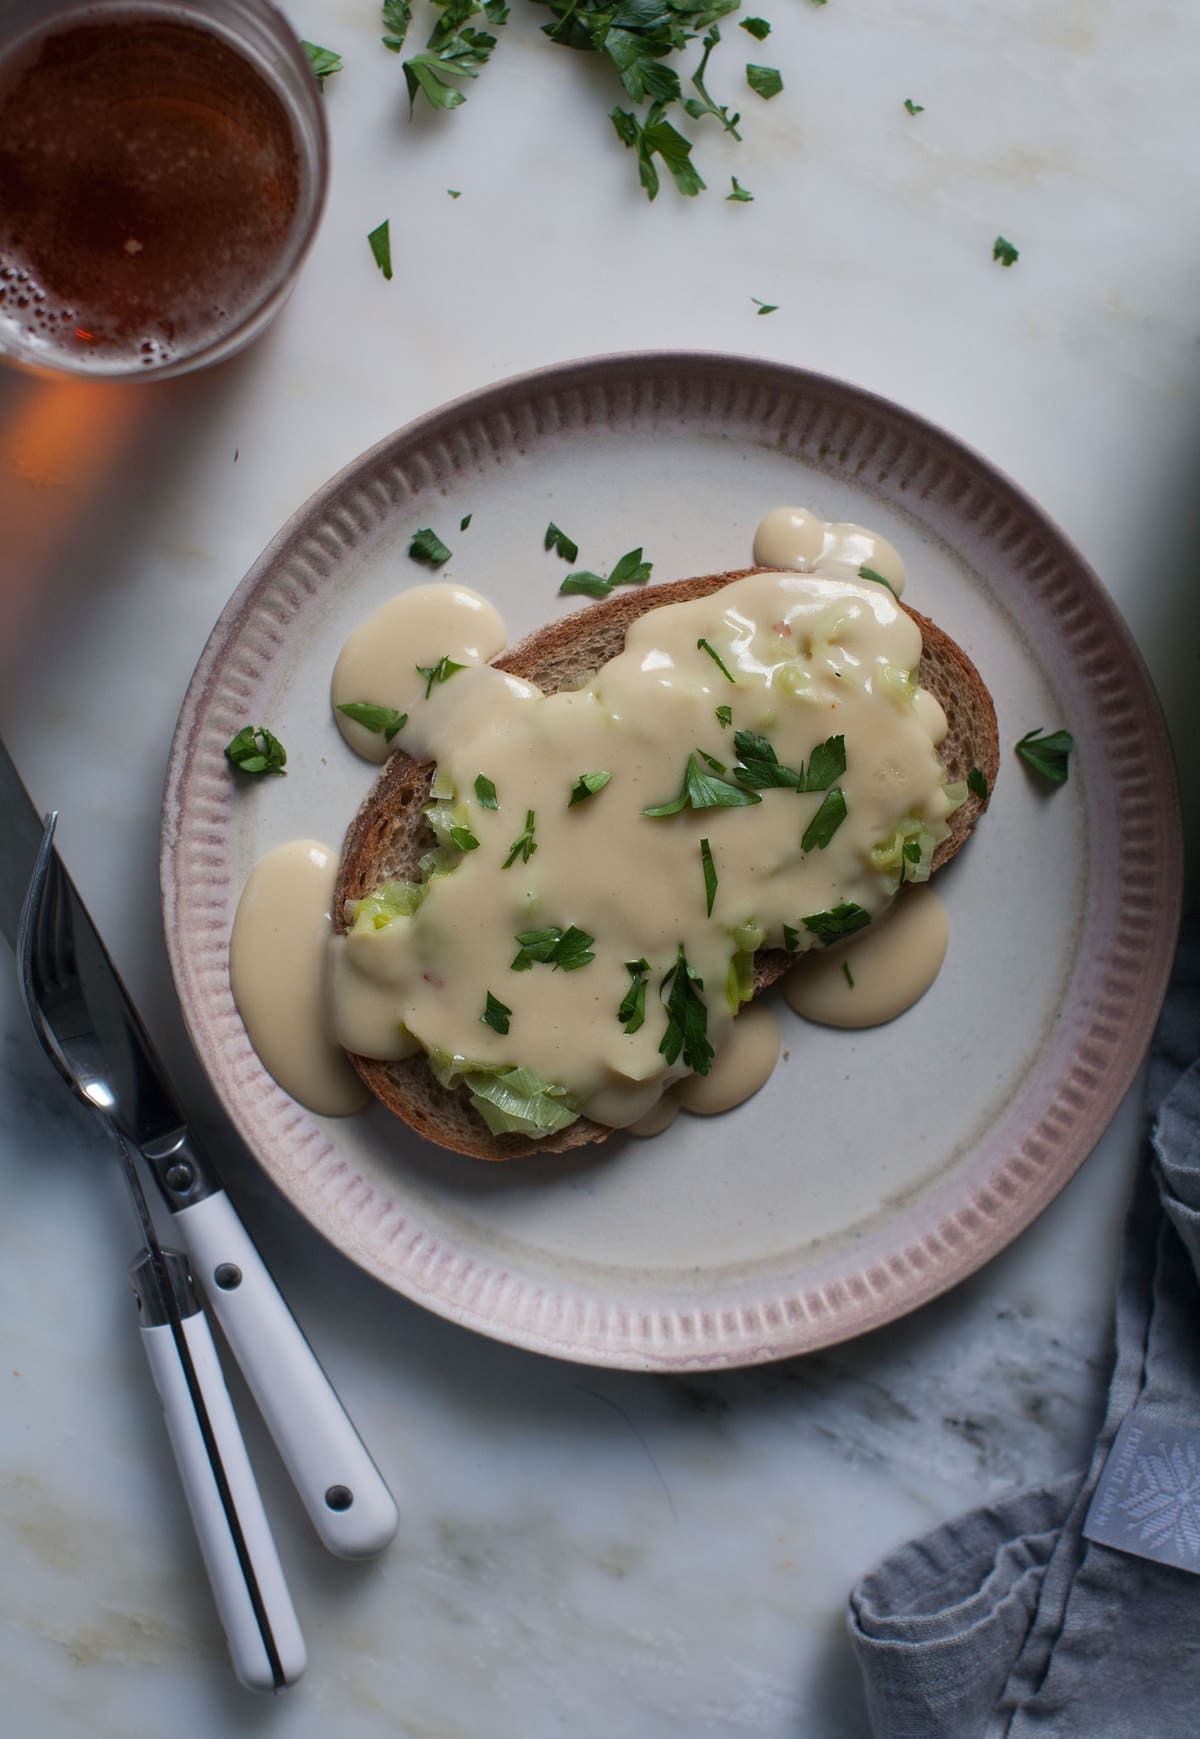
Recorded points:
(826, 763)
(464, 522)
(524, 845)
(687, 1017)
(791, 938)
(740, 193)
(560, 543)
(452, 54)
(765, 307)
(843, 920)
(825, 822)
(977, 784)
(1004, 252)
(698, 108)
(397, 16)
(454, 192)
(758, 765)
(426, 546)
(381, 247)
(704, 791)
(464, 839)
(565, 950)
(866, 573)
(631, 570)
(914, 108)
(324, 61)
(758, 27)
(587, 786)
(442, 671)
(711, 761)
(632, 1012)
(254, 750)
(765, 80)
(496, 1014)
(703, 646)
(657, 137)
(849, 976)
(1047, 755)
(724, 717)
(710, 875)
(383, 720)
(485, 792)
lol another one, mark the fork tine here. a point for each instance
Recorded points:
(40, 912)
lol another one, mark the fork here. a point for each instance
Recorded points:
(251, 1594)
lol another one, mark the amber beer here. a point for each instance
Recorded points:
(153, 181)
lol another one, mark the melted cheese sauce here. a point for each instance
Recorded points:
(379, 663)
(811, 657)
(891, 966)
(277, 959)
(744, 1063)
(792, 537)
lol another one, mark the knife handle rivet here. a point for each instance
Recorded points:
(228, 1276)
(339, 1497)
(180, 1177)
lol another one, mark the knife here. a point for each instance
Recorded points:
(339, 1485)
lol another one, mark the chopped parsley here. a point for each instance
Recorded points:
(632, 1011)
(742, 195)
(843, 920)
(442, 671)
(323, 61)
(765, 307)
(687, 1017)
(758, 27)
(866, 573)
(631, 570)
(385, 721)
(1047, 755)
(464, 839)
(702, 790)
(825, 822)
(911, 853)
(524, 845)
(914, 108)
(977, 784)
(381, 247)
(464, 522)
(454, 192)
(560, 543)
(698, 107)
(1004, 252)
(254, 750)
(565, 950)
(587, 786)
(765, 81)
(485, 792)
(656, 137)
(703, 646)
(397, 16)
(759, 767)
(427, 547)
(791, 938)
(826, 763)
(849, 976)
(455, 51)
(710, 876)
(724, 717)
(496, 1014)
(711, 761)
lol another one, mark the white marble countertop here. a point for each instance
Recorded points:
(579, 1552)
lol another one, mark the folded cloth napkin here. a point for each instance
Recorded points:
(1011, 1622)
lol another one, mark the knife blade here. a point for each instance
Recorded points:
(342, 1490)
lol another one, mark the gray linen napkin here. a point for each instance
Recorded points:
(1008, 1622)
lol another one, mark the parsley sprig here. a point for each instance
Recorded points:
(701, 790)
(564, 950)
(687, 1017)
(632, 1012)
(631, 570)
(1047, 755)
(442, 671)
(254, 750)
(524, 845)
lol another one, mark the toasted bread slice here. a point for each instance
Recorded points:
(390, 832)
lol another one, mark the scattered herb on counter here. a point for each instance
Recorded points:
(740, 193)
(455, 50)
(710, 875)
(687, 1017)
(758, 27)
(427, 547)
(978, 784)
(485, 792)
(831, 926)
(385, 721)
(564, 950)
(524, 845)
(657, 137)
(724, 717)
(914, 108)
(703, 791)
(704, 646)
(324, 61)
(632, 1012)
(454, 192)
(764, 80)
(825, 822)
(397, 16)
(464, 839)
(442, 671)
(849, 976)
(381, 247)
(826, 763)
(254, 750)
(1004, 251)
(698, 107)
(758, 766)
(587, 786)
(791, 938)
(496, 1014)
(1047, 755)
(465, 521)
(631, 570)
(765, 307)
(866, 573)
(560, 543)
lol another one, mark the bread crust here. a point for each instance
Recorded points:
(387, 836)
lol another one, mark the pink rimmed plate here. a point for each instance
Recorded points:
(876, 1169)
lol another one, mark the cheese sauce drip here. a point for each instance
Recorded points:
(800, 661)
(792, 537)
(883, 972)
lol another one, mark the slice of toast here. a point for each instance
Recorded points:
(390, 832)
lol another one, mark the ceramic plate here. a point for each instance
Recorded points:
(876, 1168)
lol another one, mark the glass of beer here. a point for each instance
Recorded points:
(162, 173)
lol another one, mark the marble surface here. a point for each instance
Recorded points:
(579, 1552)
